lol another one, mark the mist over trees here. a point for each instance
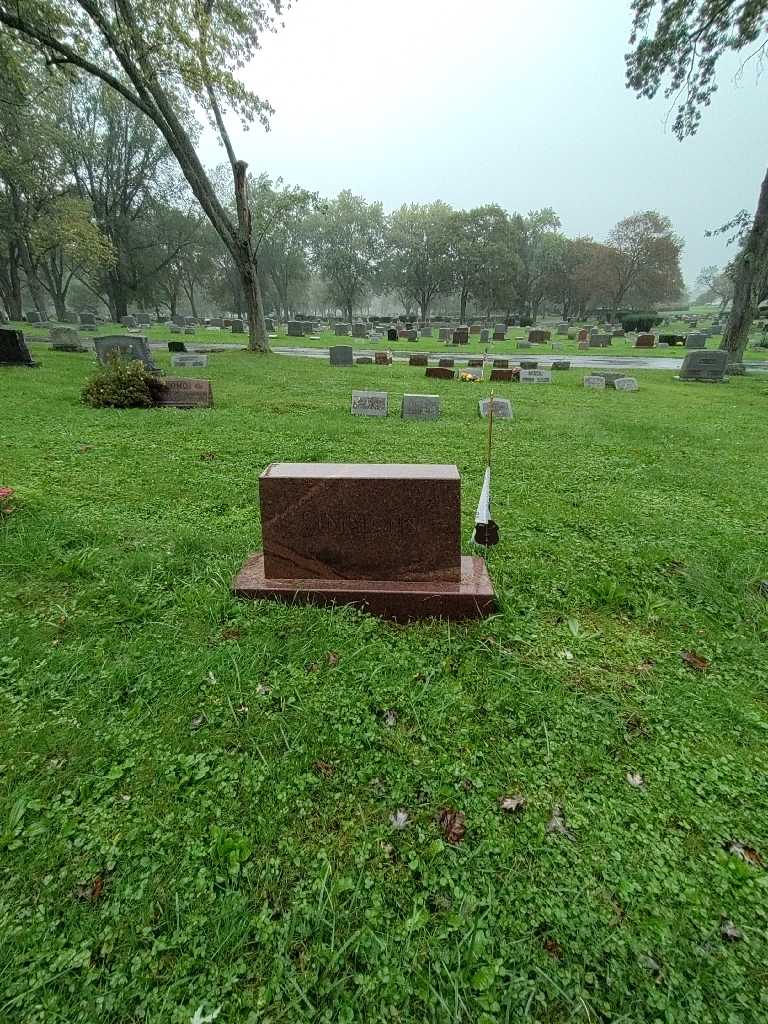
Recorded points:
(96, 215)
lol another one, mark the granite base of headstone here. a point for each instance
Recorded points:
(535, 376)
(440, 372)
(195, 359)
(383, 537)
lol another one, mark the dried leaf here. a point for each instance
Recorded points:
(92, 891)
(512, 804)
(730, 932)
(230, 634)
(467, 785)
(650, 964)
(85, 448)
(696, 661)
(332, 658)
(389, 717)
(208, 456)
(242, 709)
(647, 665)
(745, 853)
(263, 690)
(553, 948)
(557, 824)
(323, 769)
(312, 666)
(452, 825)
(635, 779)
(197, 723)
(399, 820)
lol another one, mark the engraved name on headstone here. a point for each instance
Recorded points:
(369, 403)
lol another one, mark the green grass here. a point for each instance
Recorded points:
(619, 347)
(165, 842)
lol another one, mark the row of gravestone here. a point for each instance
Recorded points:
(418, 407)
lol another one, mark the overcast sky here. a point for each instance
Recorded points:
(518, 102)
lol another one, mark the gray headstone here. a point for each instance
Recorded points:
(705, 365)
(594, 382)
(535, 377)
(70, 317)
(190, 359)
(341, 330)
(67, 336)
(218, 322)
(128, 321)
(444, 334)
(295, 329)
(524, 344)
(369, 403)
(87, 320)
(502, 408)
(13, 349)
(694, 341)
(143, 319)
(238, 327)
(420, 407)
(561, 364)
(131, 347)
(483, 334)
(626, 384)
(33, 317)
(341, 355)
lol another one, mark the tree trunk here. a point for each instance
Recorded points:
(348, 311)
(463, 304)
(751, 270)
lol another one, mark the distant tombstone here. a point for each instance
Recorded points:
(523, 344)
(125, 347)
(502, 408)
(179, 320)
(391, 334)
(341, 355)
(218, 322)
(177, 346)
(484, 334)
(538, 337)
(504, 375)
(583, 335)
(412, 334)
(475, 362)
(33, 317)
(707, 365)
(528, 364)
(143, 319)
(444, 334)
(672, 339)
(610, 377)
(562, 328)
(425, 332)
(128, 321)
(180, 393)
(471, 373)
(461, 336)
(626, 384)
(645, 341)
(561, 364)
(440, 372)
(190, 321)
(13, 349)
(572, 332)
(369, 403)
(87, 320)
(363, 360)
(295, 329)
(419, 359)
(358, 330)
(420, 407)
(189, 359)
(70, 317)
(175, 329)
(341, 330)
(189, 329)
(499, 332)
(599, 341)
(663, 344)
(694, 341)
(382, 358)
(475, 329)
(238, 327)
(501, 364)
(535, 377)
(445, 362)
(402, 333)
(557, 346)
(65, 339)
(595, 383)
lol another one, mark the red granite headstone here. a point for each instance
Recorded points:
(185, 393)
(442, 372)
(645, 341)
(386, 537)
(505, 375)
(538, 337)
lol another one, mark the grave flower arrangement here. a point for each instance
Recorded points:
(464, 375)
(6, 493)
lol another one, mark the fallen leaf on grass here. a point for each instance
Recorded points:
(452, 825)
(323, 769)
(85, 448)
(208, 456)
(635, 779)
(557, 824)
(512, 804)
(312, 666)
(242, 709)
(263, 690)
(646, 666)
(650, 965)
(694, 660)
(92, 891)
(389, 717)
(197, 722)
(745, 853)
(332, 658)
(730, 932)
(230, 634)
(399, 820)
(553, 948)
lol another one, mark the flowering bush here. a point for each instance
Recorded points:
(121, 384)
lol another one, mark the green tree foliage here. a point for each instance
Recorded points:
(642, 261)
(418, 263)
(482, 253)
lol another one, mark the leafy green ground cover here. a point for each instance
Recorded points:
(619, 347)
(195, 792)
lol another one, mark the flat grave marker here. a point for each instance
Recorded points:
(185, 393)
(502, 408)
(420, 407)
(189, 359)
(369, 403)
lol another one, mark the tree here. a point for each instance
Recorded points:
(165, 60)
(418, 252)
(537, 243)
(643, 260)
(347, 242)
(280, 226)
(682, 50)
(716, 284)
(479, 252)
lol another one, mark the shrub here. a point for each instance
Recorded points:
(121, 384)
(640, 322)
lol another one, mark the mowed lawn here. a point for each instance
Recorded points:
(196, 791)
